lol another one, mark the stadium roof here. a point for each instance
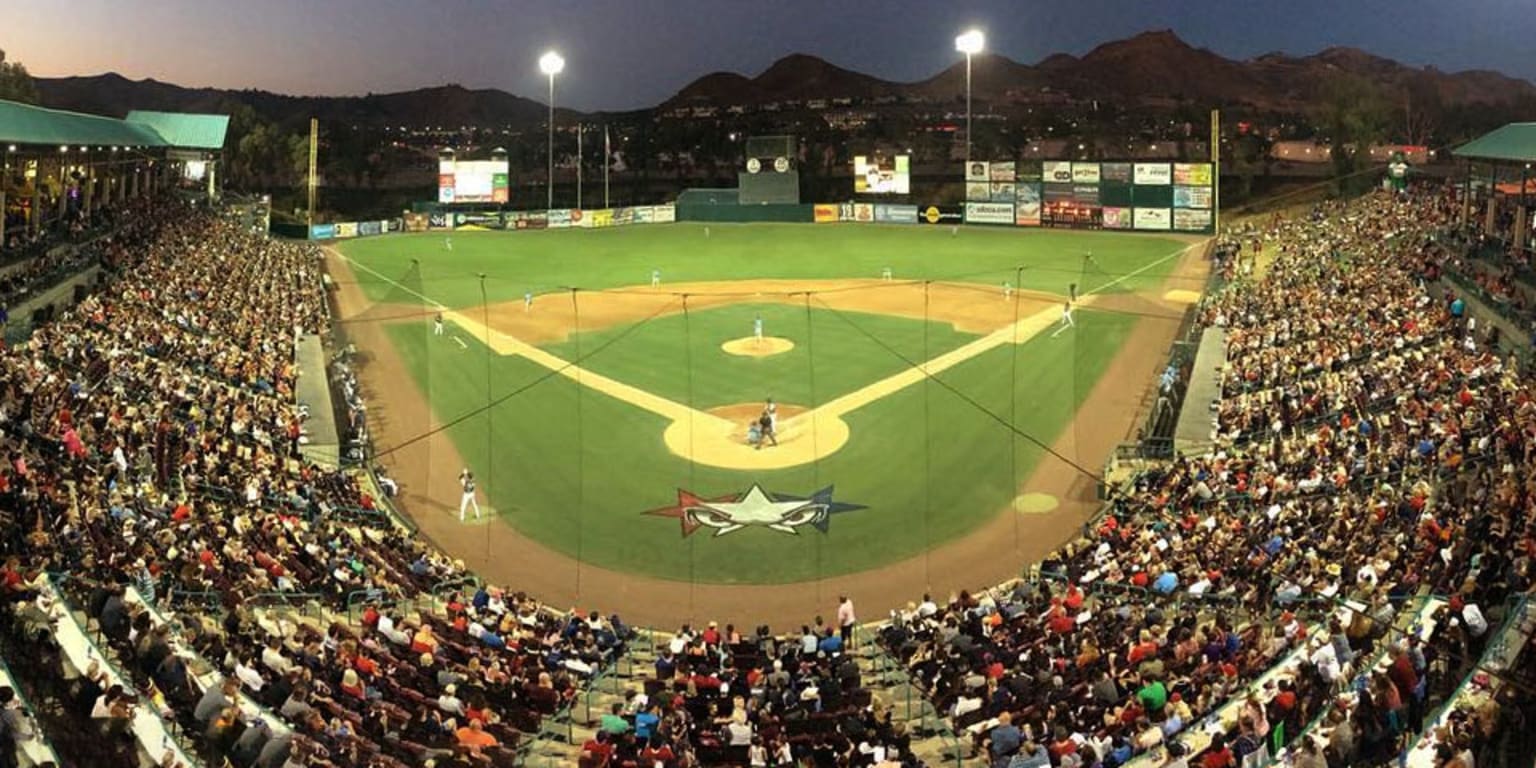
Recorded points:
(1514, 143)
(181, 129)
(28, 124)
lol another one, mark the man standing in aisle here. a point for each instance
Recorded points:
(846, 620)
(467, 483)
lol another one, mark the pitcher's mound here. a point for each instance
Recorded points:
(752, 346)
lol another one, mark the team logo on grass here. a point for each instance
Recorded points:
(754, 508)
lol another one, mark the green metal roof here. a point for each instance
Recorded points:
(1515, 143)
(26, 124)
(182, 129)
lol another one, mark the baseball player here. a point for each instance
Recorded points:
(528, 301)
(467, 483)
(885, 274)
(765, 425)
(757, 328)
(655, 277)
(772, 409)
(1066, 319)
(448, 243)
(1007, 290)
(437, 325)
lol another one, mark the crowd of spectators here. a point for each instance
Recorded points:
(153, 454)
(1369, 448)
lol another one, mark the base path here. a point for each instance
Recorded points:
(704, 438)
(427, 469)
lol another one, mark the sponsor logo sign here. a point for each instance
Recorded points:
(1001, 171)
(1153, 173)
(754, 508)
(1191, 220)
(1191, 197)
(1195, 174)
(1152, 218)
(440, 221)
(863, 212)
(644, 214)
(346, 229)
(1027, 209)
(934, 214)
(1003, 192)
(1058, 171)
(1085, 173)
(665, 214)
(824, 213)
(1118, 173)
(417, 222)
(1117, 218)
(989, 213)
(896, 214)
(559, 218)
(978, 190)
(600, 218)
(978, 170)
(322, 231)
(369, 228)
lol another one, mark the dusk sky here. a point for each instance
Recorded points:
(632, 53)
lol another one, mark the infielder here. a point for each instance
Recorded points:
(528, 301)
(885, 274)
(1007, 290)
(655, 277)
(1066, 319)
(437, 325)
(757, 328)
(467, 482)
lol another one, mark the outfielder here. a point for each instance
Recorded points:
(467, 482)
(655, 277)
(528, 301)
(437, 325)
(1007, 290)
(448, 243)
(757, 328)
(885, 274)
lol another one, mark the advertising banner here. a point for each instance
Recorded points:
(1194, 174)
(440, 221)
(1191, 220)
(599, 218)
(978, 190)
(623, 217)
(346, 229)
(445, 187)
(1085, 194)
(978, 170)
(1118, 173)
(1117, 218)
(989, 213)
(1058, 192)
(845, 211)
(369, 228)
(896, 214)
(1027, 209)
(882, 174)
(1001, 171)
(939, 214)
(1191, 197)
(863, 212)
(417, 222)
(824, 213)
(579, 218)
(559, 218)
(1027, 170)
(394, 225)
(1057, 171)
(322, 231)
(645, 214)
(533, 220)
(665, 214)
(1003, 192)
(1153, 173)
(1085, 173)
(1152, 218)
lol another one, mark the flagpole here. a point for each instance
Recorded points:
(607, 160)
(578, 166)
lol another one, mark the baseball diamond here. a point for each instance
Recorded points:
(919, 408)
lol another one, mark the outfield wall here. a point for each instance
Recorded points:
(557, 218)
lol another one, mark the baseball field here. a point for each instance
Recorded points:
(938, 421)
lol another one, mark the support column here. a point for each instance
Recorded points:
(88, 188)
(1492, 215)
(63, 186)
(36, 219)
(1522, 227)
(134, 182)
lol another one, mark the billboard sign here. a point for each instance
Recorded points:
(1191, 220)
(863, 212)
(1195, 174)
(1153, 173)
(665, 214)
(1057, 171)
(825, 213)
(346, 229)
(1003, 192)
(940, 214)
(1085, 173)
(322, 231)
(896, 214)
(1191, 197)
(559, 218)
(882, 174)
(1027, 208)
(978, 170)
(1117, 173)
(989, 213)
(1152, 219)
(1117, 218)
(417, 222)
(978, 190)
(1000, 171)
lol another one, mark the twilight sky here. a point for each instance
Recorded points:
(632, 53)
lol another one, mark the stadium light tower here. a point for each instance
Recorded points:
(969, 43)
(551, 64)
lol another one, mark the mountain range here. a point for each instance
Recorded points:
(1151, 68)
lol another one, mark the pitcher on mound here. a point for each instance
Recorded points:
(467, 483)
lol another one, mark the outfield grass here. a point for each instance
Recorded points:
(543, 261)
(575, 469)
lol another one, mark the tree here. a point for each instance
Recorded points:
(1356, 116)
(15, 83)
(1422, 111)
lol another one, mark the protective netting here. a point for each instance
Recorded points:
(932, 435)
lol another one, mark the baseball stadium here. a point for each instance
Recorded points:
(987, 458)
